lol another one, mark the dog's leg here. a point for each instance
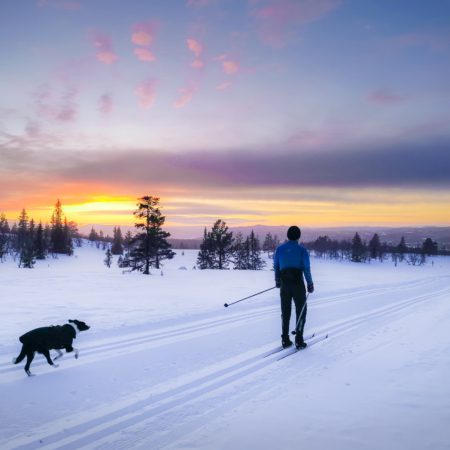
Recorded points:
(60, 353)
(21, 356)
(46, 353)
(76, 353)
(30, 356)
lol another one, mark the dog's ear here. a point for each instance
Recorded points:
(71, 321)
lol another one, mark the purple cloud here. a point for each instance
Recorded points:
(56, 106)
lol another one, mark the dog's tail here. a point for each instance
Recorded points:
(21, 356)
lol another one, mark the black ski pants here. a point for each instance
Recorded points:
(293, 290)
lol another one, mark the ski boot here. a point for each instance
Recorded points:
(300, 344)
(285, 341)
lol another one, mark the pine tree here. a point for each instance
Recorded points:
(429, 247)
(375, 246)
(68, 244)
(204, 258)
(358, 249)
(255, 260)
(25, 248)
(22, 231)
(57, 237)
(216, 250)
(402, 249)
(117, 246)
(241, 251)
(270, 244)
(149, 246)
(93, 235)
(4, 236)
(39, 242)
(4, 226)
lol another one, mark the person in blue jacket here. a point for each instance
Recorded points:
(291, 265)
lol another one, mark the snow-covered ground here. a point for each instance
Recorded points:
(165, 365)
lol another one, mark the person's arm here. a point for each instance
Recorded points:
(276, 268)
(307, 272)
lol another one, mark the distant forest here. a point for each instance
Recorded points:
(220, 248)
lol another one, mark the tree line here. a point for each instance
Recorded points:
(220, 248)
(149, 246)
(358, 251)
(27, 241)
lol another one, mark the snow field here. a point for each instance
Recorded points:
(166, 366)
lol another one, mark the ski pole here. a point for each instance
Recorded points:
(300, 316)
(245, 298)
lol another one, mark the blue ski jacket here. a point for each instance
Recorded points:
(292, 255)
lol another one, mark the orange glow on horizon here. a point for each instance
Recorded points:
(368, 208)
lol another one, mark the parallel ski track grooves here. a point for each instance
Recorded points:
(130, 343)
(92, 431)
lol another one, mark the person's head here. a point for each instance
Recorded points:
(294, 233)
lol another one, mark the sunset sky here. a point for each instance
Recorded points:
(273, 112)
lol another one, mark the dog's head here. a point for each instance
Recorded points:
(81, 326)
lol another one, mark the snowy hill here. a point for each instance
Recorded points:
(165, 365)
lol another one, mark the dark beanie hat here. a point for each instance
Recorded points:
(293, 233)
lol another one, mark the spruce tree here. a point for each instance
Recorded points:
(402, 249)
(375, 246)
(58, 237)
(117, 245)
(93, 235)
(270, 244)
(22, 231)
(39, 242)
(149, 246)
(241, 250)
(429, 247)
(68, 243)
(222, 245)
(358, 249)
(4, 236)
(255, 260)
(204, 258)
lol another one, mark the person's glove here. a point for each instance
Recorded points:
(310, 288)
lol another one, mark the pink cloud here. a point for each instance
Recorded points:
(230, 67)
(144, 33)
(383, 97)
(144, 54)
(106, 104)
(146, 93)
(195, 47)
(105, 52)
(186, 95)
(224, 85)
(278, 19)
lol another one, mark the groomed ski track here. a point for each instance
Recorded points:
(231, 367)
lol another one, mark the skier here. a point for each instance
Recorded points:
(291, 264)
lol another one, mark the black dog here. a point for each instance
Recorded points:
(44, 339)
